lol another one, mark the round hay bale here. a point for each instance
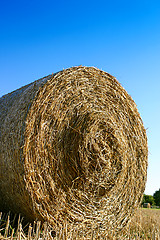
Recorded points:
(73, 149)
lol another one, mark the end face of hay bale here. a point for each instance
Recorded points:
(84, 153)
(85, 149)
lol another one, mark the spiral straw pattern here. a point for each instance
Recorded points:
(83, 152)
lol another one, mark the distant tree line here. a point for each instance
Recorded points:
(153, 200)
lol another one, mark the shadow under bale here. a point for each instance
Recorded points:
(73, 150)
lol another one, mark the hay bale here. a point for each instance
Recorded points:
(146, 205)
(73, 149)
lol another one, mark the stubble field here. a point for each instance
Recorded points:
(144, 225)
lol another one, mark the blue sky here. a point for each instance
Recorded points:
(121, 37)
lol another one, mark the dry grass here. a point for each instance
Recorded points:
(73, 153)
(144, 225)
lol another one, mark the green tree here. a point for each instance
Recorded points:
(156, 196)
(148, 199)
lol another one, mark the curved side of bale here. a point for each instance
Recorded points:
(13, 112)
(77, 152)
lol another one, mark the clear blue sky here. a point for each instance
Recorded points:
(120, 37)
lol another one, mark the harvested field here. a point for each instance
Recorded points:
(73, 152)
(144, 225)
